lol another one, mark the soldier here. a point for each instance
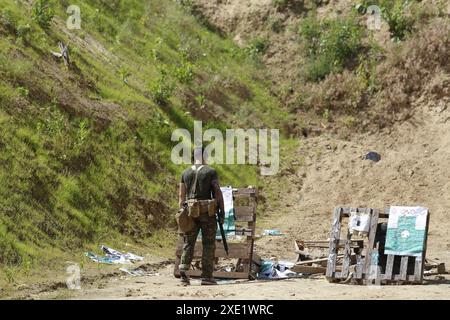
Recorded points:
(200, 188)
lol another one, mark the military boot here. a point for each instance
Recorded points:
(209, 282)
(184, 277)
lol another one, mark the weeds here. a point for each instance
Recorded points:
(43, 13)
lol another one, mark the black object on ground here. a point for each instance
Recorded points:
(374, 156)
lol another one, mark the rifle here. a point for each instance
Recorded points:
(222, 232)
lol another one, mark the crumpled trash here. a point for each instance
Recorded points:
(272, 232)
(138, 272)
(273, 270)
(267, 270)
(114, 257)
(372, 155)
(285, 265)
(116, 254)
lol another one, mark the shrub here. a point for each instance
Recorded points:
(23, 32)
(399, 24)
(43, 13)
(184, 73)
(330, 44)
(394, 13)
(162, 90)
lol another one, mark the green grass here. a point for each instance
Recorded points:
(92, 168)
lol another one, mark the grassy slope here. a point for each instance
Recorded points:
(84, 156)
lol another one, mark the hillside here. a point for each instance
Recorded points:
(85, 149)
(330, 70)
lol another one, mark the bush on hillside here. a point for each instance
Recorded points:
(330, 45)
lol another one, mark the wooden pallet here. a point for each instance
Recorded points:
(247, 262)
(366, 269)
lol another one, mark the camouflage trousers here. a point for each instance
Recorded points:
(208, 226)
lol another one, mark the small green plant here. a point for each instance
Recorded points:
(83, 133)
(257, 47)
(23, 92)
(23, 32)
(124, 74)
(326, 115)
(399, 24)
(276, 24)
(200, 99)
(184, 73)
(162, 90)
(53, 124)
(43, 13)
(394, 12)
(350, 121)
(9, 274)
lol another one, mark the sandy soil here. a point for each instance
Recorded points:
(165, 286)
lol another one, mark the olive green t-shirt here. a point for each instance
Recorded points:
(205, 177)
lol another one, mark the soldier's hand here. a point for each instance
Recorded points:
(221, 220)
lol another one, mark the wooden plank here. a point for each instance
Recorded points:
(418, 270)
(389, 267)
(381, 213)
(309, 269)
(347, 254)
(236, 250)
(341, 244)
(244, 210)
(306, 262)
(359, 266)
(403, 268)
(374, 215)
(420, 261)
(244, 191)
(244, 214)
(243, 232)
(244, 218)
(334, 238)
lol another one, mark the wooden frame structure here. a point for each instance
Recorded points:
(247, 262)
(366, 268)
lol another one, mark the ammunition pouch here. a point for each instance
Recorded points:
(198, 207)
(184, 221)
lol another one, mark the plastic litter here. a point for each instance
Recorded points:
(273, 270)
(113, 256)
(272, 232)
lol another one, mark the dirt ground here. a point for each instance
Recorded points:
(414, 170)
(165, 286)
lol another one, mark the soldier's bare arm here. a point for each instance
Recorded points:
(219, 198)
(181, 194)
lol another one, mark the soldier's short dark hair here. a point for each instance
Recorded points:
(195, 152)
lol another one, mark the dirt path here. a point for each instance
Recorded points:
(165, 286)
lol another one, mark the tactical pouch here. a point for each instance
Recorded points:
(194, 208)
(212, 205)
(184, 221)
